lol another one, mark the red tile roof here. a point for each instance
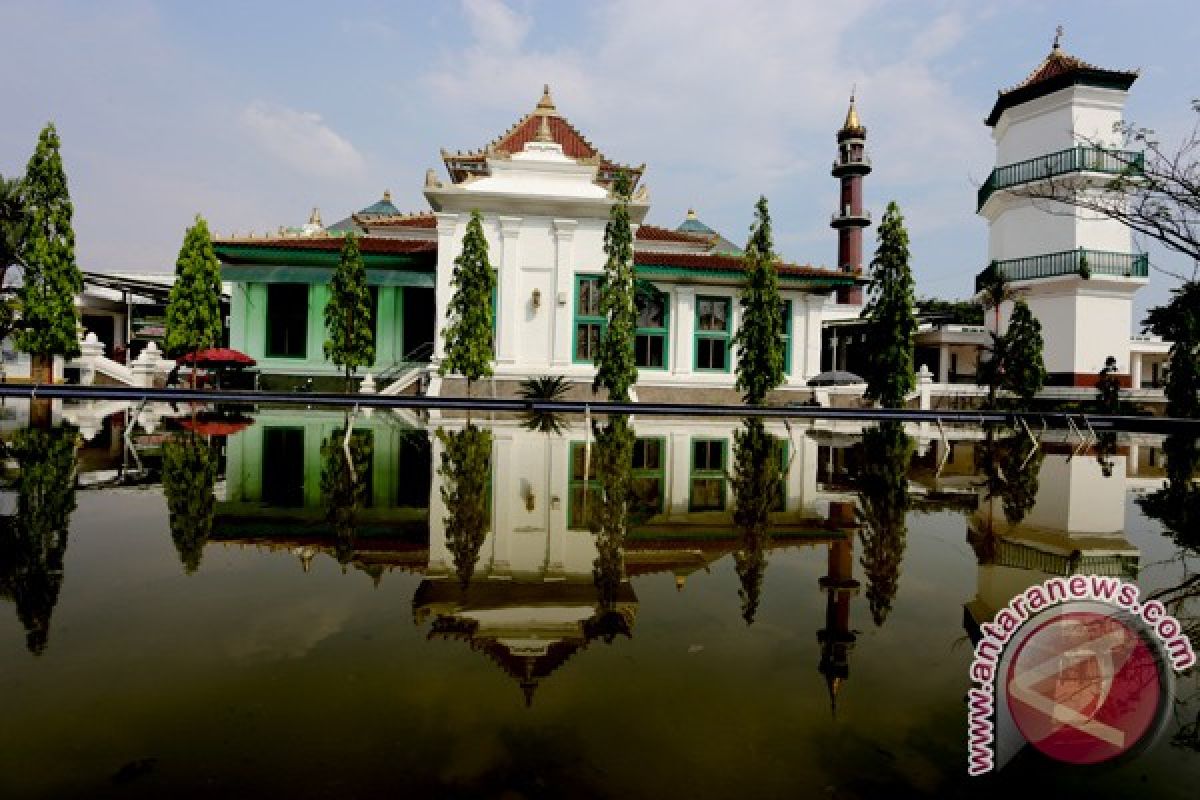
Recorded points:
(419, 219)
(715, 262)
(382, 245)
(1057, 71)
(653, 233)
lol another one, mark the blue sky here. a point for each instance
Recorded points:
(253, 113)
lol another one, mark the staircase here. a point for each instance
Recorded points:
(400, 375)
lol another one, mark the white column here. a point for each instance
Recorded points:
(508, 302)
(679, 473)
(1135, 370)
(562, 303)
(796, 376)
(812, 336)
(943, 363)
(448, 248)
(683, 319)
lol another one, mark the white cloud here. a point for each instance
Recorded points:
(301, 140)
(495, 24)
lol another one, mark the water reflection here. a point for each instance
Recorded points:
(523, 546)
(883, 501)
(33, 540)
(189, 472)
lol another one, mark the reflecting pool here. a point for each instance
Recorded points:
(295, 602)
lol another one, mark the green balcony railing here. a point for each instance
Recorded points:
(1075, 159)
(1071, 262)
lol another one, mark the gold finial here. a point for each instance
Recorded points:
(1058, 32)
(852, 122)
(691, 213)
(315, 217)
(680, 581)
(387, 195)
(545, 106)
(543, 134)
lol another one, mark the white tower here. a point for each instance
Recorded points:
(1077, 270)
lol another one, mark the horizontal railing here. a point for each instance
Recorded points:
(1075, 159)
(1071, 262)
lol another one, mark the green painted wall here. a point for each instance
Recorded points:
(248, 329)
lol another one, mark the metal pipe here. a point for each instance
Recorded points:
(341, 400)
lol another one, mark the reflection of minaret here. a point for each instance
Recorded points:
(837, 638)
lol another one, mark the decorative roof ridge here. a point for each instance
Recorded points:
(386, 219)
(1063, 62)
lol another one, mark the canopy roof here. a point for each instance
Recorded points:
(1057, 71)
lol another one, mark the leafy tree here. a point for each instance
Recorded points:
(883, 504)
(189, 472)
(193, 318)
(889, 312)
(759, 338)
(1108, 388)
(990, 372)
(615, 367)
(345, 487)
(1011, 467)
(49, 319)
(466, 477)
(1024, 370)
(1177, 504)
(349, 318)
(1179, 323)
(612, 457)
(757, 486)
(33, 543)
(955, 312)
(468, 335)
(993, 292)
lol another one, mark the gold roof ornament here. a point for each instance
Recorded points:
(387, 195)
(545, 106)
(543, 133)
(852, 121)
(691, 213)
(315, 217)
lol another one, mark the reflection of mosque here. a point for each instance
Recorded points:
(532, 596)
(1072, 522)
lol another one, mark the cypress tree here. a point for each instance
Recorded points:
(468, 335)
(49, 319)
(345, 470)
(349, 318)
(193, 319)
(1025, 370)
(883, 505)
(615, 367)
(612, 458)
(757, 482)
(759, 338)
(1179, 323)
(889, 312)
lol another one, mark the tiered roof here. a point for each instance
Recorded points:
(1057, 71)
(462, 165)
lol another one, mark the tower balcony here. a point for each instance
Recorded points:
(850, 219)
(1075, 159)
(855, 165)
(1082, 262)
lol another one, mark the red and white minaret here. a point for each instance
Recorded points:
(849, 220)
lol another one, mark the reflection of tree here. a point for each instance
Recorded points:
(465, 467)
(34, 541)
(612, 459)
(1177, 506)
(1010, 469)
(344, 484)
(883, 503)
(756, 488)
(189, 470)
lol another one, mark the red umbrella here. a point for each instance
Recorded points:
(218, 426)
(218, 357)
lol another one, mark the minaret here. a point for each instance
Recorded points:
(851, 165)
(837, 638)
(1054, 134)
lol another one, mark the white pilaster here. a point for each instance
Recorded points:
(562, 303)
(448, 248)
(508, 289)
(683, 319)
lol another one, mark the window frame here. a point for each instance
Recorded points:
(725, 337)
(786, 310)
(664, 333)
(658, 473)
(708, 474)
(589, 319)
